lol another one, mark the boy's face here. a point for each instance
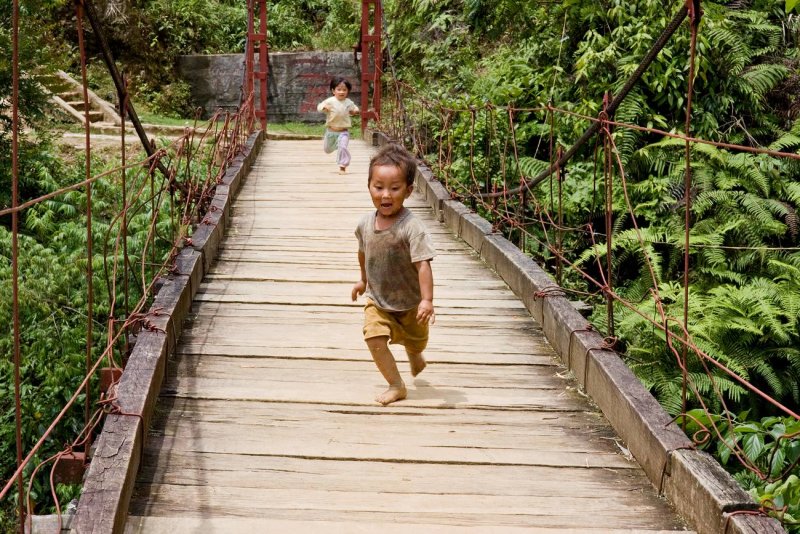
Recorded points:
(388, 190)
(340, 91)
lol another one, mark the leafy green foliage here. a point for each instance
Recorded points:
(314, 24)
(743, 305)
(769, 446)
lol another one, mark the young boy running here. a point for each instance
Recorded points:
(394, 253)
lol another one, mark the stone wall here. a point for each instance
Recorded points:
(297, 82)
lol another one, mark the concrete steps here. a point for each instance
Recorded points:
(67, 94)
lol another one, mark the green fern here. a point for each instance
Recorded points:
(764, 77)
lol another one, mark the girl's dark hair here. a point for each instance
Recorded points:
(336, 81)
(396, 156)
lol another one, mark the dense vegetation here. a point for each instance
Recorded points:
(747, 70)
(745, 255)
(745, 299)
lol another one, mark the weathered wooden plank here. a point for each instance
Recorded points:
(498, 306)
(341, 290)
(472, 376)
(450, 436)
(351, 339)
(300, 274)
(355, 349)
(192, 525)
(420, 394)
(490, 315)
(460, 325)
(352, 313)
(380, 523)
(276, 472)
(232, 351)
(266, 414)
(478, 510)
(332, 450)
(339, 335)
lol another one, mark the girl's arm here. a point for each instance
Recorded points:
(360, 286)
(425, 312)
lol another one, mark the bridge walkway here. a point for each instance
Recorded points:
(266, 420)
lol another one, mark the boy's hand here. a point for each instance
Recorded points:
(358, 289)
(425, 313)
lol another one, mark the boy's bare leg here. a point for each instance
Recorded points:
(417, 362)
(379, 348)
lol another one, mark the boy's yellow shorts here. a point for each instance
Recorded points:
(401, 327)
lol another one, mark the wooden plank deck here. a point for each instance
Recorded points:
(267, 423)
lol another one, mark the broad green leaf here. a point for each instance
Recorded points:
(724, 449)
(777, 431)
(792, 450)
(753, 446)
(777, 463)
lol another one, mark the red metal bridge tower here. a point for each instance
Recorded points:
(257, 47)
(371, 60)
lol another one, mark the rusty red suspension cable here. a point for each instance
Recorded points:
(15, 251)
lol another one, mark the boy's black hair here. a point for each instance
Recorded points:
(397, 156)
(336, 81)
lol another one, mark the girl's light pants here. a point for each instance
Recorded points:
(337, 141)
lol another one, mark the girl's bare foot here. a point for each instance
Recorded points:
(417, 362)
(393, 394)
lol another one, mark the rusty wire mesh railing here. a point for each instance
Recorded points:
(522, 189)
(138, 214)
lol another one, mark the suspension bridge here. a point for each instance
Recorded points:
(265, 419)
(245, 403)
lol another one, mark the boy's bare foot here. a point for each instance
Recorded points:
(417, 362)
(393, 394)
(342, 170)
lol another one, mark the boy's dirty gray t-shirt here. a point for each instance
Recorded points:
(392, 279)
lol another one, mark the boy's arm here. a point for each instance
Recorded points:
(425, 312)
(360, 286)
